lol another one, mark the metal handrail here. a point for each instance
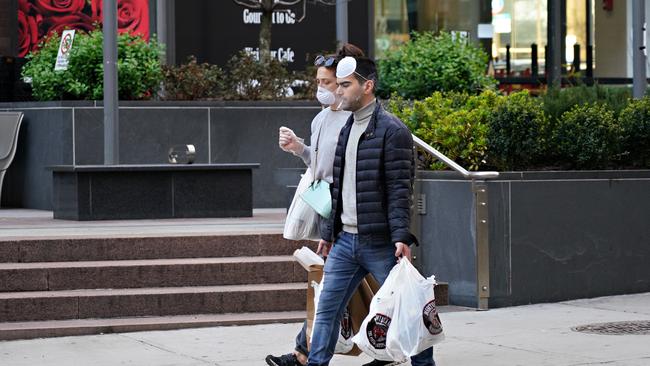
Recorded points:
(452, 164)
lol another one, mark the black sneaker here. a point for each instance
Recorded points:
(285, 360)
(383, 363)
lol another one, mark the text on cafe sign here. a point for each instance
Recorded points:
(278, 17)
(282, 54)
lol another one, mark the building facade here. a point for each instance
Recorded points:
(215, 30)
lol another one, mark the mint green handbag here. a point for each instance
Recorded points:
(318, 195)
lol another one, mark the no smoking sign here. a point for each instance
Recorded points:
(63, 56)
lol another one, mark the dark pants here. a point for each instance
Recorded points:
(301, 340)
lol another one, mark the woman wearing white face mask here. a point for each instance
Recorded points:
(325, 129)
(327, 124)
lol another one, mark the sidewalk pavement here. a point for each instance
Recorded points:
(525, 335)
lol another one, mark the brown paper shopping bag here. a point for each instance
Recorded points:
(358, 305)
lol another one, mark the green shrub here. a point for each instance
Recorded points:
(635, 125)
(454, 123)
(39, 71)
(193, 81)
(249, 79)
(587, 137)
(558, 101)
(138, 65)
(517, 132)
(429, 63)
(492, 131)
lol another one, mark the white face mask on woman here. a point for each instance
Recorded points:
(325, 97)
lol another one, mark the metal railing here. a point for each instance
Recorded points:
(481, 213)
(452, 164)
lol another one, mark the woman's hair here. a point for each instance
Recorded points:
(347, 49)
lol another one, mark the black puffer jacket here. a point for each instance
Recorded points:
(385, 172)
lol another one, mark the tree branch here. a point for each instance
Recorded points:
(251, 4)
(287, 3)
(328, 2)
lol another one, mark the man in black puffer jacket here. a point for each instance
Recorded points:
(371, 198)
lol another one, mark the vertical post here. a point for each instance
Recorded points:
(342, 22)
(161, 26)
(563, 25)
(416, 218)
(547, 62)
(554, 43)
(13, 30)
(534, 64)
(371, 30)
(638, 48)
(508, 69)
(485, 17)
(589, 49)
(165, 10)
(482, 244)
(576, 58)
(111, 121)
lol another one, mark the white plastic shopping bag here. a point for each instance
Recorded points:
(415, 325)
(371, 338)
(302, 220)
(344, 343)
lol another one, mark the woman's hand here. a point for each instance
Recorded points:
(290, 142)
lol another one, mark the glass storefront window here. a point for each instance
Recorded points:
(395, 19)
(521, 23)
(576, 30)
(391, 25)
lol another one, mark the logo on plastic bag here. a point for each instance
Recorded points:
(377, 329)
(431, 318)
(346, 325)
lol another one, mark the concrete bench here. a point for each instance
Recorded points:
(9, 127)
(118, 192)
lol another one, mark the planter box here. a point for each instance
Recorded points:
(71, 133)
(550, 236)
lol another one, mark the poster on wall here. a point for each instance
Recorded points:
(38, 18)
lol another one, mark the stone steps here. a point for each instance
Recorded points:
(130, 248)
(154, 301)
(77, 327)
(55, 276)
(81, 285)
(86, 285)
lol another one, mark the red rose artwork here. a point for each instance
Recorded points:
(132, 15)
(37, 18)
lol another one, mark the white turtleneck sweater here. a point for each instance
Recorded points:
(349, 189)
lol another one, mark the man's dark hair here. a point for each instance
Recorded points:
(366, 70)
(349, 49)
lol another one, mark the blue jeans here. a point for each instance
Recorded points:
(347, 264)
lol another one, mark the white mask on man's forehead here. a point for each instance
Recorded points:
(346, 67)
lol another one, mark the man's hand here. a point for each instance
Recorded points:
(324, 248)
(290, 142)
(402, 250)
